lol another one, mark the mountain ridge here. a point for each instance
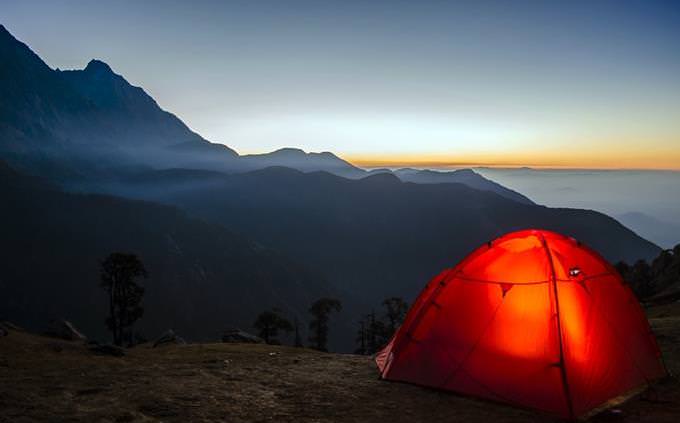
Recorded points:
(203, 277)
(378, 235)
(82, 124)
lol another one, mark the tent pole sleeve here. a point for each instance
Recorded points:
(563, 367)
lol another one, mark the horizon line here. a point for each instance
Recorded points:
(396, 163)
(450, 166)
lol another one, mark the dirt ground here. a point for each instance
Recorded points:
(44, 379)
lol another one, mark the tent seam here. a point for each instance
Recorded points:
(563, 367)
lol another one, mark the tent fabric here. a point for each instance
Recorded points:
(534, 319)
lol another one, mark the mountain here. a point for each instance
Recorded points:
(377, 236)
(306, 162)
(203, 278)
(81, 126)
(80, 123)
(461, 176)
(129, 110)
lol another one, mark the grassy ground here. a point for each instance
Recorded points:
(43, 379)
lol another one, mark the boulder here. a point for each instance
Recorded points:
(107, 349)
(63, 329)
(8, 326)
(169, 337)
(235, 335)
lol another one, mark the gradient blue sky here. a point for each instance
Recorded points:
(577, 84)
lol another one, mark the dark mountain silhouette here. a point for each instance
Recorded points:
(461, 176)
(131, 112)
(306, 162)
(376, 235)
(71, 124)
(203, 278)
(77, 123)
(80, 126)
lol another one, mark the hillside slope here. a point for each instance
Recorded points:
(375, 236)
(203, 278)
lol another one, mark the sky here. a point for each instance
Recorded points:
(593, 84)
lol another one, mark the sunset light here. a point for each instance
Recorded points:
(229, 210)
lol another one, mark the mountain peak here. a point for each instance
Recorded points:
(381, 178)
(5, 35)
(289, 151)
(98, 66)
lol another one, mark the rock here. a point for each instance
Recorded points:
(8, 326)
(3, 332)
(235, 335)
(168, 337)
(63, 329)
(107, 349)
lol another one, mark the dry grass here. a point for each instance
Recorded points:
(43, 379)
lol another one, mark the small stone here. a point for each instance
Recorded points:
(8, 326)
(167, 338)
(63, 329)
(235, 335)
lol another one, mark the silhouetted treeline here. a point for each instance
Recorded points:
(376, 331)
(661, 278)
(270, 322)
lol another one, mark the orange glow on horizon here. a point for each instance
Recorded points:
(653, 160)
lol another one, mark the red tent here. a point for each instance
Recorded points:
(533, 319)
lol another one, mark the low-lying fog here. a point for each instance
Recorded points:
(646, 201)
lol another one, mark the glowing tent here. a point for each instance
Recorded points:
(534, 319)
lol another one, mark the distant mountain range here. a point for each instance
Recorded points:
(374, 236)
(281, 228)
(461, 176)
(80, 125)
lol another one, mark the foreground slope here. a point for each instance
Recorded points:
(203, 278)
(51, 380)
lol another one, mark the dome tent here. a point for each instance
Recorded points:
(533, 319)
